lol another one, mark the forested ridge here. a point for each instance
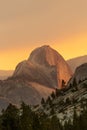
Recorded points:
(25, 119)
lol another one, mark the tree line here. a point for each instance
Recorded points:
(24, 118)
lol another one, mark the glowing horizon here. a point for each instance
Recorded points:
(28, 24)
(69, 48)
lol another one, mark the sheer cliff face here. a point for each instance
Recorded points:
(44, 66)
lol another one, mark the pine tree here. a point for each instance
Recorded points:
(43, 102)
(52, 112)
(76, 125)
(36, 122)
(57, 92)
(55, 124)
(26, 118)
(53, 95)
(63, 84)
(10, 118)
(49, 101)
(75, 84)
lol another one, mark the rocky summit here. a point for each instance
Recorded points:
(36, 77)
(44, 66)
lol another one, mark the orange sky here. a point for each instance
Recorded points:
(27, 24)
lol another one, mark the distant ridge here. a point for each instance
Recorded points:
(75, 62)
(80, 74)
(4, 74)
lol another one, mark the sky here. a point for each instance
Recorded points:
(28, 24)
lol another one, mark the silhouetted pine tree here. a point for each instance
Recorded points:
(26, 118)
(43, 102)
(10, 118)
(53, 95)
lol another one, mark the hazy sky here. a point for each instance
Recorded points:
(27, 24)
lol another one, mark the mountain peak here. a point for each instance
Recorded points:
(36, 77)
(45, 66)
(45, 46)
(45, 55)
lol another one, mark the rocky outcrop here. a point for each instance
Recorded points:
(80, 74)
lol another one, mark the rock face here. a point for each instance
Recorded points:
(44, 66)
(16, 91)
(80, 74)
(36, 77)
(75, 62)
